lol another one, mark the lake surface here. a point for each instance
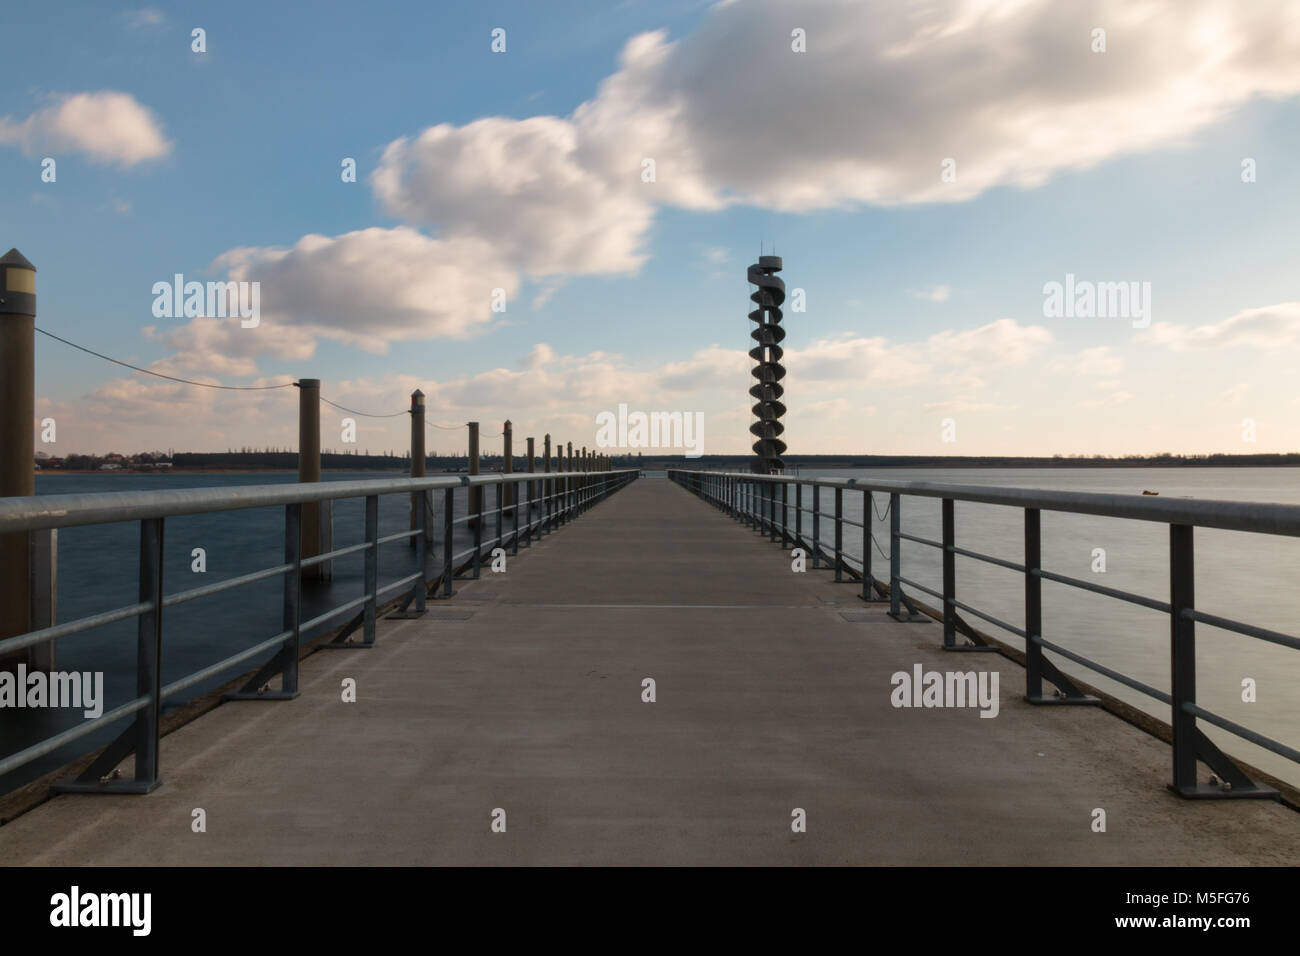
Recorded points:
(1251, 578)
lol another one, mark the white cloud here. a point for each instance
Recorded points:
(1111, 400)
(964, 405)
(1269, 327)
(730, 115)
(1233, 395)
(1003, 342)
(1099, 360)
(520, 185)
(145, 18)
(108, 126)
(940, 293)
(372, 287)
(1011, 91)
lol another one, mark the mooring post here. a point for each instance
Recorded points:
(419, 499)
(17, 446)
(475, 499)
(508, 463)
(315, 515)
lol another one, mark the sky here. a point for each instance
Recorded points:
(554, 206)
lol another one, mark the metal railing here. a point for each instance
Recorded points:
(757, 499)
(552, 499)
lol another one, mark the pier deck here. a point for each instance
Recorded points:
(523, 692)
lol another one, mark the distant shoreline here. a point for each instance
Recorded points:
(792, 467)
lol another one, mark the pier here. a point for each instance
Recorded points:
(510, 724)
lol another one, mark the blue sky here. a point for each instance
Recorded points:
(925, 299)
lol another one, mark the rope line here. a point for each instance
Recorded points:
(246, 388)
(353, 411)
(171, 378)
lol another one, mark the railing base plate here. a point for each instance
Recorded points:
(1211, 791)
(269, 695)
(905, 618)
(1086, 700)
(110, 786)
(988, 648)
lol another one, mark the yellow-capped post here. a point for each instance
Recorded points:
(17, 434)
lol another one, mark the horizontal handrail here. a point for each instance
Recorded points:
(1259, 517)
(74, 510)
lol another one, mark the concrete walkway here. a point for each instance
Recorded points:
(524, 693)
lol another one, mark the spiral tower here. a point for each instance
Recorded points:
(768, 370)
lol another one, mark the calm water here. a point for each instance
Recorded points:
(98, 571)
(1245, 577)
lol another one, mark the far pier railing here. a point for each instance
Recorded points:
(763, 503)
(542, 502)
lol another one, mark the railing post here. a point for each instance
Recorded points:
(1182, 647)
(532, 490)
(142, 737)
(771, 511)
(422, 553)
(798, 514)
(477, 521)
(291, 617)
(949, 576)
(839, 534)
(785, 514)
(448, 532)
(149, 635)
(371, 567)
(868, 509)
(1033, 605)
(570, 489)
(817, 524)
(895, 555)
(500, 493)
